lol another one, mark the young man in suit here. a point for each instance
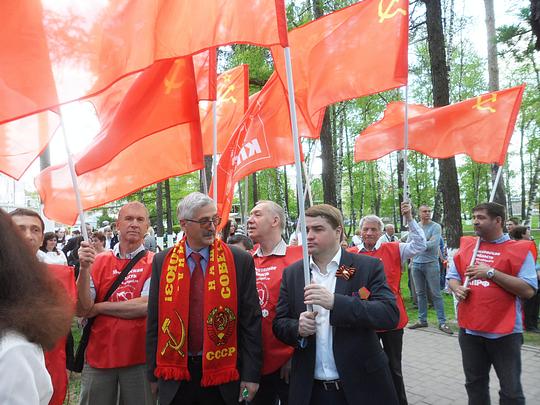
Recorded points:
(203, 341)
(338, 358)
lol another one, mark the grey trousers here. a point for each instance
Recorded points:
(112, 386)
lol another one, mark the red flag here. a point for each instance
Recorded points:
(262, 140)
(480, 127)
(232, 103)
(205, 65)
(161, 97)
(354, 52)
(157, 157)
(93, 44)
(26, 80)
(23, 140)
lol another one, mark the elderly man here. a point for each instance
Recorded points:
(265, 227)
(392, 254)
(204, 320)
(489, 311)
(32, 228)
(389, 234)
(115, 353)
(337, 357)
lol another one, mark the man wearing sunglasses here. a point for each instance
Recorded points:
(203, 340)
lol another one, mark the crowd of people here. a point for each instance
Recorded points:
(228, 317)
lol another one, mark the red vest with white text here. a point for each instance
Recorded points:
(488, 307)
(389, 254)
(55, 359)
(269, 270)
(116, 342)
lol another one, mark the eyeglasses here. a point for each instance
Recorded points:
(206, 221)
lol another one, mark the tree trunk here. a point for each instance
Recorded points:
(327, 150)
(168, 206)
(159, 209)
(286, 187)
(208, 172)
(254, 189)
(493, 73)
(441, 97)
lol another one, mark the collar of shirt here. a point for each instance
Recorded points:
(362, 248)
(204, 252)
(502, 239)
(279, 250)
(130, 255)
(41, 256)
(330, 268)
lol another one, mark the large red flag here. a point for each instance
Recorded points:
(23, 140)
(161, 97)
(232, 103)
(93, 44)
(26, 79)
(262, 140)
(354, 52)
(480, 127)
(157, 157)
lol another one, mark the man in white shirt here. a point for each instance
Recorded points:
(337, 357)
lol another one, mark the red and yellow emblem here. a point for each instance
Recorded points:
(220, 325)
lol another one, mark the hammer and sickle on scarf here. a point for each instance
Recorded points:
(174, 343)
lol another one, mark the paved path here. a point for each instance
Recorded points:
(433, 373)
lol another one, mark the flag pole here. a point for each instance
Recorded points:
(214, 142)
(298, 166)
(74, 180)
(406, 148)
(491, 198)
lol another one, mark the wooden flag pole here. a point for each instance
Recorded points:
(214, 142)
(298, 166)
(74, 180)
(491, 198)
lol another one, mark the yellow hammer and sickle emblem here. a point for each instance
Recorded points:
(480, 103)
(173, 343)
(224, 96)
(387, 13)
(170, 82)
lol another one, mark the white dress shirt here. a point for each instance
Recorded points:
(325, 366)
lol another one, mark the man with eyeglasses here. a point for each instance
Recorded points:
(203, 341)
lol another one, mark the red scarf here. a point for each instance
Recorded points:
(220, 349)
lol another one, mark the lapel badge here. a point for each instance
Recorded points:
(345, 272)
(364, 293)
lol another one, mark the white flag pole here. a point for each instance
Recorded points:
(298, 166)
(74, 180)
(491, 198)
(406, 148)
(214, 142)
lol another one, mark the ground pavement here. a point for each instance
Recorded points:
(433, 373)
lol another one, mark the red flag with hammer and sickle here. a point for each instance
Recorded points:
(480, 127)
(353, 52)
(262, 140)
(232, 103)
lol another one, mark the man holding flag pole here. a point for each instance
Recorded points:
(489, 309)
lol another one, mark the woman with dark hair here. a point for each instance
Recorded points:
(49, 247)
(98, 240)
(34, 314)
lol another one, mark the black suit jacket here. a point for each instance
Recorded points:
(248, 328)
(361, 363)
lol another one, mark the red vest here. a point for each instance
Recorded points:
(116, 342)
(55, 359)
(489, 308)
(269, 270)
(389, 254)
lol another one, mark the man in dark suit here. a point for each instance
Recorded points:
(338, 358)
(184, 359)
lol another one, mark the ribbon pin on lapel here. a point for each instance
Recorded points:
(345, 272)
